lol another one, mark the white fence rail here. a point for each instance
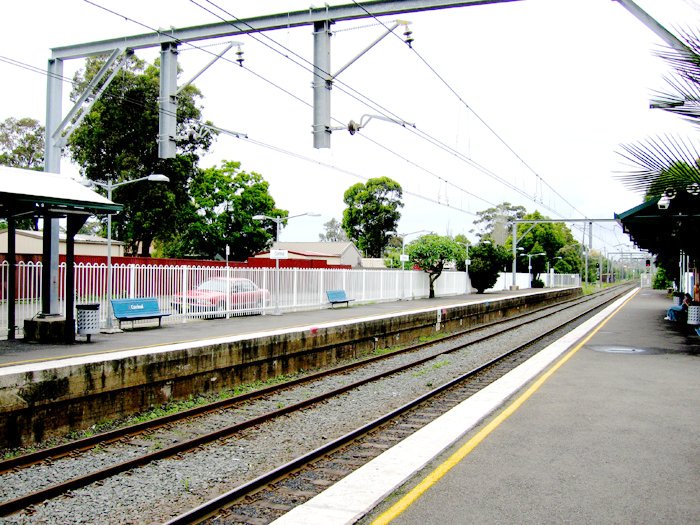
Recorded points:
(299, 288)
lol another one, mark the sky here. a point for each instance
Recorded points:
(524, 102)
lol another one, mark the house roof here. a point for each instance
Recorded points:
(25, 191)
(325, 249)
(79, 238)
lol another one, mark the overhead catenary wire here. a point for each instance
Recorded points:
(379, 145)
(379, 108)
(442, 179)
(369, 102)
(471, 109)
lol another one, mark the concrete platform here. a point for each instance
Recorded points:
(150, 336)
(600, 427)
(48, 390)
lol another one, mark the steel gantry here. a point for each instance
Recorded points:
(58, 130)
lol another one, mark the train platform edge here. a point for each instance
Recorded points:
(599, 427)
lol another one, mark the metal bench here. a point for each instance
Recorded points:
(337, 297)
(137, 309)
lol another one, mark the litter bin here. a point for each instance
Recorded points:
(88, 321)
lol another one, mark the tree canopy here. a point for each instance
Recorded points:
(22, 143)
(333, 232)
(548, 238)
(431, 252)
(118, 140)
(372, 214)
(487, 260)
(224, 201)
(500, 216)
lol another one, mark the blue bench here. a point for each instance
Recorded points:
(338, 297)
(137, 309)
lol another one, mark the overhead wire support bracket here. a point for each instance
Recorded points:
(211, 63)
(353, 127)
(323, 82)
(365, 50)
(58, 136)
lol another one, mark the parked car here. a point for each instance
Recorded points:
(210, 296)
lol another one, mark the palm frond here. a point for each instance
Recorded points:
(667, 163)
(660, 164)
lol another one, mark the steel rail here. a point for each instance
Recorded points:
(210, 508)
(15, 504)
(83, 444)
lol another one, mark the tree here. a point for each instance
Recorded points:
(503, 214)
(546, 237)
(334, 232)
(487, 260)
(431, 252)
(372, 214)
(118, 139)
(22, 146)
(224, 201)
(667, 162)
(22, 143)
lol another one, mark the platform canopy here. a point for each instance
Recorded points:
(667, 229)
(28, 192)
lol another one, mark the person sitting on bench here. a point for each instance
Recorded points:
(676, 313)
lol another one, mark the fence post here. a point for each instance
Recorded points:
(132, 281)
(364, 284)
(183, 304)
(294, 287)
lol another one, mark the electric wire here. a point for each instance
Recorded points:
(434, 141)
(491, 129)
(377, 107)
(444, 180)
(357, 96)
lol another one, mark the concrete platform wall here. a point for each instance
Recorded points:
(46, 402)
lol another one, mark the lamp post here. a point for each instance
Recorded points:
(403, 256)
(278, 221)
(548, 274)
(529, 262)
(109, 186)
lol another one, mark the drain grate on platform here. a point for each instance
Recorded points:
(620, 349)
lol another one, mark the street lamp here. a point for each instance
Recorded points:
(109, 186)
(404, 258)
(529, 262)
(278, 221)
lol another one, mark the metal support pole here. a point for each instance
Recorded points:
(167, 121)
(277, 269)
(515, 251)
(108, 323)
(322, 84)
(12, 277)
(52, 163)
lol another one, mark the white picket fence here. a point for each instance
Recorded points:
(299, 288)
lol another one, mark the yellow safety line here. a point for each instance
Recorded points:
(406, 501)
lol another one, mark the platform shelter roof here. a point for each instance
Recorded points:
(28, 192)
(667, 229)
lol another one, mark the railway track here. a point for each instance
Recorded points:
(125, 438)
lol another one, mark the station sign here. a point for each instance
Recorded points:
(279, 254)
